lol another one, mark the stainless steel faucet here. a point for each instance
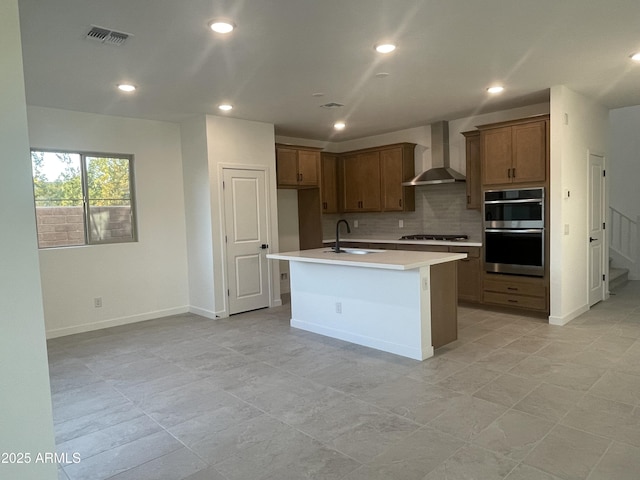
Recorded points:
(337, 247)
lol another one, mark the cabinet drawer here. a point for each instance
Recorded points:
(514, 288)
(472, 252)
(520, 301)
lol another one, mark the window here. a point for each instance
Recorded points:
(83, 198)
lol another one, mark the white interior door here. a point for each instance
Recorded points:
(245, 208)
(597, 255)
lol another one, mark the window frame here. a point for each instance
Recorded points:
(86, 206)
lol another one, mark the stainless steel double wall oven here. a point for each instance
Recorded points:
(514, 231)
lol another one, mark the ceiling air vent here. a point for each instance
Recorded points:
(104, 35)
(332, 105)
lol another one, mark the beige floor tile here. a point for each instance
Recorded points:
(513, 435)
(568, 453)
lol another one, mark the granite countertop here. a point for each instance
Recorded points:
(465, 243)
(383, 259)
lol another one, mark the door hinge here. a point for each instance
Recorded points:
(604, 173)
(603, 225)
(225, 239)
(228, 292)
(603, 277)
(223, 185)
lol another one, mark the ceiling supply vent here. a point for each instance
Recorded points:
(104, 35)
(332, 105)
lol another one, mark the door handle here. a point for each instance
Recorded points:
(591, 239)
(264, 246)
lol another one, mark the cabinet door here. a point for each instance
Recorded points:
(308, 168)
(369, 181)
(329, 182)
(473, 170)
(287, 167)
(469, 279)
(361, 186)
(350, 184)
(496, 156)
(392, 177)
(529, 152)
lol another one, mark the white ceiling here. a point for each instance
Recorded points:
(283, 51)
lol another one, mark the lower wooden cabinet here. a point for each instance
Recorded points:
(469, 278)
(520, 292)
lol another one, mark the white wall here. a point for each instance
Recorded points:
(137, 281)
(234, 143)
(624, 167)
(26, 423)
(197, 195)
(571, 143)
(288, 229)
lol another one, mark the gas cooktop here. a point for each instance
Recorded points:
(433, 236)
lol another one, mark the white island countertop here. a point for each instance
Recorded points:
(383, 259)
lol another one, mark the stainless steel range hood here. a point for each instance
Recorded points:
(440, 172)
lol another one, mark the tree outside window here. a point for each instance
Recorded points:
(83, 199)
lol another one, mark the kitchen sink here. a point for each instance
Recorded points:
(355, 251)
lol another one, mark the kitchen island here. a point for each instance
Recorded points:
(402, 302)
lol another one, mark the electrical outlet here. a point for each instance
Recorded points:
(338, 307)
(401, 223)
(97, 302)
(355, 224)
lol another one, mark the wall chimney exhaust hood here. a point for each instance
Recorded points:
(440, 172)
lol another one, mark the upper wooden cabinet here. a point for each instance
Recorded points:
(396, 166)
(361, 182)
(329, 183)
(297, 167)
(473, 169)
(371, 180)
(514, 152)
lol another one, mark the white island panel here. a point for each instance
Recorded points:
(380, 308)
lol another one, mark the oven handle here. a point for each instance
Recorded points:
(522, 200)
(519, 230)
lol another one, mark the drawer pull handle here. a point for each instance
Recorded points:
(515, 289)
(510, 300)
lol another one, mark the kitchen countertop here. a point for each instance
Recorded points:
(382, 259)
(411, 242)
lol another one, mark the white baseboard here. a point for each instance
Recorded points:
(203, 312)
(564, 319)
(114, 322)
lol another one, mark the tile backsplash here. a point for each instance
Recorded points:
(439, 209)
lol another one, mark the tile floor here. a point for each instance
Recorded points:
(250, 398)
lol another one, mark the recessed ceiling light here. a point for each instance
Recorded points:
(339, 125)
(495, 89)
(385, 47)
(225, 107)
(382, 75)
(126, 87)
(221, 26)
(635, 57)
(317, 94)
